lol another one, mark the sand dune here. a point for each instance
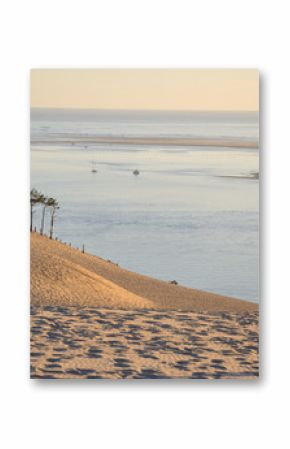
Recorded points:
(61, 275)
(96, 343)
(57, 280)
(91, 319)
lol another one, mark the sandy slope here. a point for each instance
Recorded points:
(61, 275)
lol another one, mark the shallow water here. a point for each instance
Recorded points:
(192, 213)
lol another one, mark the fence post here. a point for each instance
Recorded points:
(83, 250)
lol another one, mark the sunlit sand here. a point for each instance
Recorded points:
(94, 319)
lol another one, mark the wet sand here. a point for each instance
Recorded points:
(130, 140)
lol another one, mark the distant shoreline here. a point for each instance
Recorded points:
(180, 141)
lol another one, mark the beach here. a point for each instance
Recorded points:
(90, 318)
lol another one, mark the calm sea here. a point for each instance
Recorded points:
(191, 215)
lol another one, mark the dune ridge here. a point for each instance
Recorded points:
(63, 276)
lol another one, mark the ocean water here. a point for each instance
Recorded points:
(192, 214)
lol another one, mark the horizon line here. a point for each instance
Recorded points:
(142, 110)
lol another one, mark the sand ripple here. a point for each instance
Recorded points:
(99, 343)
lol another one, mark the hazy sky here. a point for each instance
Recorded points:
(157, 89)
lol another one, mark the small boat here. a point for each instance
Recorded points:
(136, 172)
(94, 169)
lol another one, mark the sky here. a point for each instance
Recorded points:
(146, 89)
